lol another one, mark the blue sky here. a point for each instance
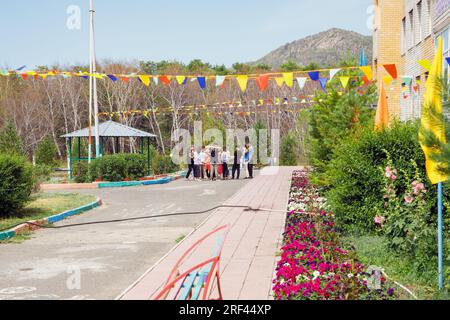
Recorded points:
(218, 31)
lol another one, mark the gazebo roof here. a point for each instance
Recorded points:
(110, 129)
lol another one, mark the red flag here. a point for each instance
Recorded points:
(365, 80)
(263, 82)
(24, 76)
(125, 79)
(165, 80)
(392, 70)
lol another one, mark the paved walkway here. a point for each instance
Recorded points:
(106, 258)
(250, 249)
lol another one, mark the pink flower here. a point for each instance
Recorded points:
(409, 199)
(379, 219)
(391, 174)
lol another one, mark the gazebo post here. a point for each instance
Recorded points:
(69, 159)
(149, 158)
(79, 148)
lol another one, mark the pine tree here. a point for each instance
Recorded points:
(10, 141)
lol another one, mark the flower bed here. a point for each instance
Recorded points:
(314, 265)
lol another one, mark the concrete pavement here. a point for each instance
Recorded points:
(99, 261)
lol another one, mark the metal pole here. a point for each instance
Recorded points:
(440, 242)
(94, 79)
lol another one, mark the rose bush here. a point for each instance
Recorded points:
(314, 265)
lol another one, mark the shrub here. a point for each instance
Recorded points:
(45, 153)
(333, 117)
(42, 174)
(16, 183)
(355, 184)
(80, 172)
(163, 164)
(288, 152)
(136, 166)
(110, 168)
(10, 141)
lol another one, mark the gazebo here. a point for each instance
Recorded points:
(108, 130)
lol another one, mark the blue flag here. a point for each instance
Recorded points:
(112, 77)
(314, 75)
(362, 58)
(323, 82)
(202, 82)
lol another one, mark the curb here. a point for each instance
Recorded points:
(49, 220)
(159, 179)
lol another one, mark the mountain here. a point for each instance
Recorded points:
(326, 49)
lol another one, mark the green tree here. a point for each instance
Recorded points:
(290, 66)
(45, 153)
(10, 141)
(288, 152)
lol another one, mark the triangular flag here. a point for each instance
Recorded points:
(181, 79)
(125, 79)
(220, 80)
(362, 58)
(242, 81)
(262, 81)
(145, 79)
(24, 76)
(97, 75)
(165, 80)
(391, 69)
(333, 72)
(365, 80)
(426, 64)
(289, 79)
(323, 82)
(314, 75)
(156, 80)
(448, 60)
(387, 80)
(407, 80)
(279, 81)
(301, 82)
(112, 77)
(21, 68)
(432, 120)
(382, 115)
(202, 82)
(344, 81)
(367, 70)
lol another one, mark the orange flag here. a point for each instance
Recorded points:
(382, 116)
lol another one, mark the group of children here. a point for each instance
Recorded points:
(212, 163)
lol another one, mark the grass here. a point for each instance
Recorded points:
(47, 204)
(372, 251)
(180, 238)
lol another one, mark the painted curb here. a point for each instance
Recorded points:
(50, 220)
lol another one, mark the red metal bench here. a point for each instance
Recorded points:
(195, 283)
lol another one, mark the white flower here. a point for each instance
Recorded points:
(316, 274)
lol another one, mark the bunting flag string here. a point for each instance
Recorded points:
(392, 70)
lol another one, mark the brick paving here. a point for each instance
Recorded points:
(250, 249)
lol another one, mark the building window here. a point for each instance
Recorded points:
(428, 19)
(404, 35)
(420, 20)
(411, 30)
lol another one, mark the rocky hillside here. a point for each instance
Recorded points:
(326, 49)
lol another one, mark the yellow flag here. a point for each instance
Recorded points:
(242, 81)
(180, 79)
(432, 120)
(387, 80)
(97, 75)
(145, 79)
(344, 81)
(289, 79)
(280, 81)
(367, 70)
(425, 64)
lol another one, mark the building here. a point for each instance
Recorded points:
(414, 25)
(386, 43)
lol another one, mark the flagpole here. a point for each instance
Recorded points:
(440, 242)
(94, 80)
(90, 84)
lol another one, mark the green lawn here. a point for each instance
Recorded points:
(47, 204)
(371, 251)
